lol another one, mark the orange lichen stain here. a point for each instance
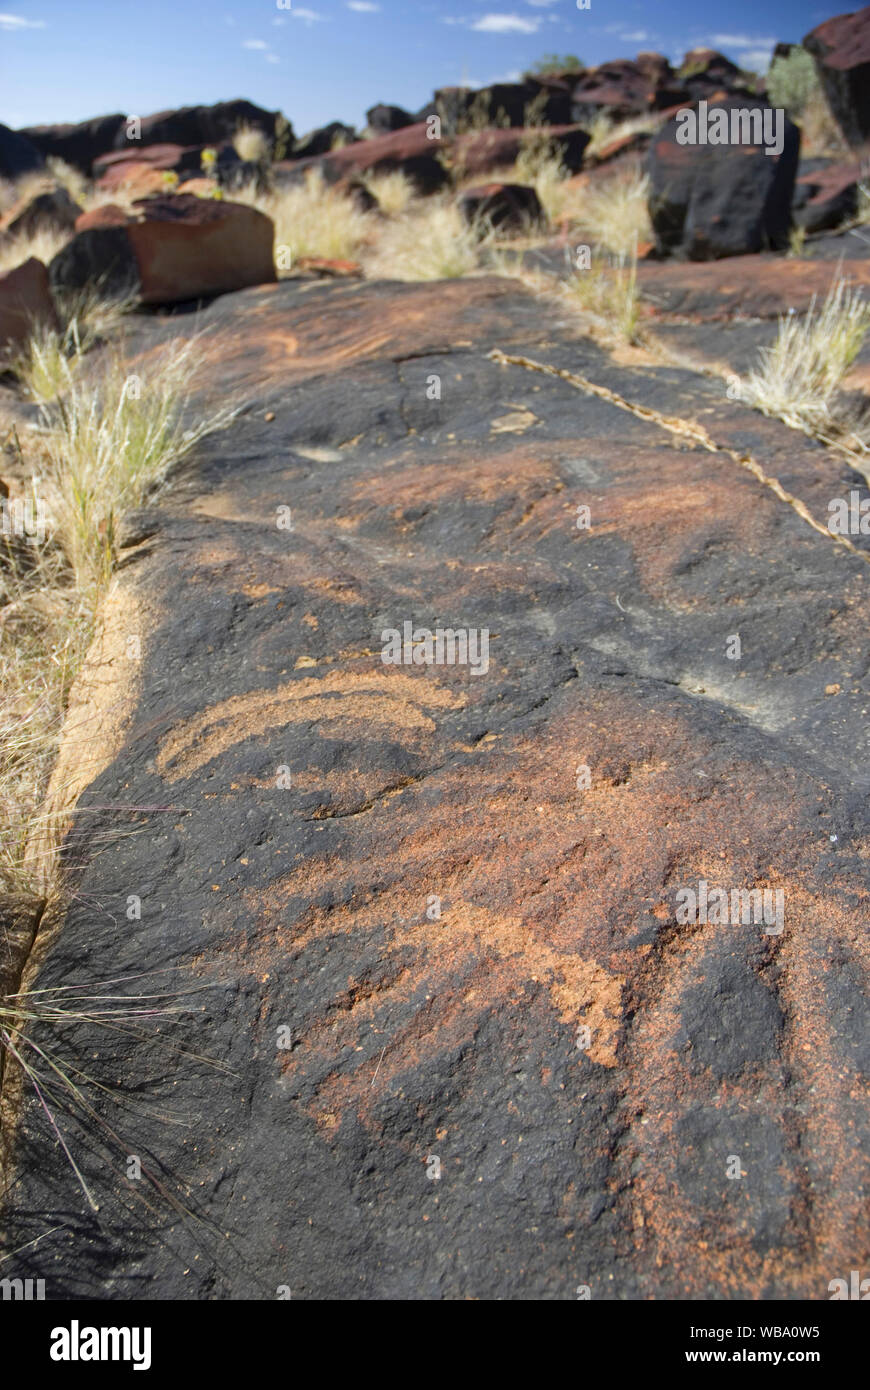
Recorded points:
(256, 591)
(350, 700)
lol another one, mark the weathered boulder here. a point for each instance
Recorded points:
(705, 72)
(323, 140)
(26, 303)
(655, 68)
(410, 151)
(826, 195)
(712, 200)
(506, 207)
(49, 208)
(619, 89)
(18, 155)
(480, 151)
(382, 119)
(115, 168)
(841, 48)
(106, 215)
(173, 248)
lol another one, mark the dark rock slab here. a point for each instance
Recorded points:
(481, 151)
(841, 48)
(410, 151)
(383, 119)
(323, 139)
(432, 1129)
(504, 104)
(708, 201)
(824, 198)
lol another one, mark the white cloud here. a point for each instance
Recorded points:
(741, 41)
(272, 58)
(309, 16)
(757, 59)
(636, 36)
(542, 4)
(362, 6)
(254, 43)
(14, 21)
(505, 24)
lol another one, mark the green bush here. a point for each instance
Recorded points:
(556, 62)
(792, 81)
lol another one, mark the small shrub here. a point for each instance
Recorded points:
(552, 63)
(792, 81)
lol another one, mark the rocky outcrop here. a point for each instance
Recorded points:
(841, 48)
(438, 912)
(78, 144)
(205, 125)
(485, 150)
(712, 200)
(18, 155)
(504, 103)
(174, 248)
(82, 144)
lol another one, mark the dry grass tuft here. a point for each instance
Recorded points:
(110, 441)
(394, 191)
(615, 213)
(604, 130)
(34, 1031)
(44, 244)
(432, 242)
(801, 374)
(251, 143)
(44, 368)
(67, 177)
(607, 293)
(539, 165)
(105, 440)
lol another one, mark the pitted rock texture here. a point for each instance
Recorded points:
(436, 880)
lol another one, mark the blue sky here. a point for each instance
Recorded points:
(327, 60)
